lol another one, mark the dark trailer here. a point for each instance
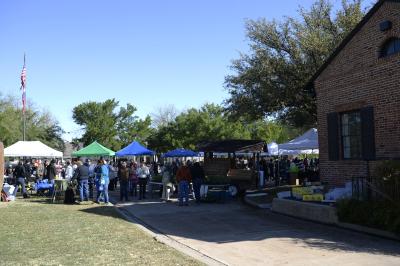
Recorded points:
(227, 167)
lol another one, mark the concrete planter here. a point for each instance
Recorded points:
(323, 214)
(314, 212)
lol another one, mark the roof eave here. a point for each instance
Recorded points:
(346, 40)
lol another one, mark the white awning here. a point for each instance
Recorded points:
(298, 152)
(307, 141)
(34, 149)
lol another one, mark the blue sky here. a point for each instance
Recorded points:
(149, 53)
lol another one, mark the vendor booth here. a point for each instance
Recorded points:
(307, 141)
(304, 144)
(33, 149)
(177, 153)
(226, 172)
(95, 149)
(134, 149)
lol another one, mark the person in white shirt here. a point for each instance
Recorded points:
(143, 174)
(69, 172)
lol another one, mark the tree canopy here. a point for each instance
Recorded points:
(40, 125)
(210, 122)
(271, 80)
(113, 129)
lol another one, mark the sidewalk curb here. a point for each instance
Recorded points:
(345, 226)
(251, 203)
(369, 231)
(162, 238)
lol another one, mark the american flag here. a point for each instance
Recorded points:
(23, 86)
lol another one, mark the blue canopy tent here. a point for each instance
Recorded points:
(181, 153)
(134, 149)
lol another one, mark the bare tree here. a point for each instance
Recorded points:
(163, 115)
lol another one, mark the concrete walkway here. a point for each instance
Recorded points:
(235, 234)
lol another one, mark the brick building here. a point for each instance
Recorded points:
(358, 98)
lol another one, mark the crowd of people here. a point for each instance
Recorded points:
(133, 177)
(278, 170)
(103, 175)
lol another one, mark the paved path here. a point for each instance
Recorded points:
(236, 234)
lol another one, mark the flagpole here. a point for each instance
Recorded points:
(24, 126)
(24, 100)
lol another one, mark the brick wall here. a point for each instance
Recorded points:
(356, 78)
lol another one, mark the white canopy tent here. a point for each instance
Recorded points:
(273, 149)
(307, 141)
(297, 152)
(34, 149)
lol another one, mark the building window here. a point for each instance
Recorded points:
(351, 135)
(392, 46)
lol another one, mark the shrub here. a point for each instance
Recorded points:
(383, 215)
(388, 170)
(387, 179)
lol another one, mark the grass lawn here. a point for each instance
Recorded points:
(33, 232)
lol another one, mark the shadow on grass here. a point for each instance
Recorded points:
(103, 211)
(36, 199)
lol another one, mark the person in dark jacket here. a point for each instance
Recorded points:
(28, 169)
(97, 179)
(198, 177)
(51, 170)
(20, 174)
(82, 175)
(45, 165)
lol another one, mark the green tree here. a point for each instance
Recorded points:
(271, 80)
(272, 131)
(113, 129)
(210, 123)
(40, 125)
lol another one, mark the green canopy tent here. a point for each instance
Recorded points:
(94, 149)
